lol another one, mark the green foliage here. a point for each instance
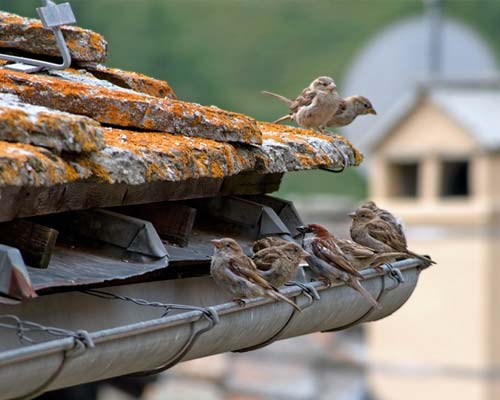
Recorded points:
(225, 52)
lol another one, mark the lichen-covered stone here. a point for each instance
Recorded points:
(40, 126)
(129, 109)
(29, 36)
(138, 157)
(132, 80)
(27, 165)
(285, 148)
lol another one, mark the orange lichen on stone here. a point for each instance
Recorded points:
(132, 80)
(26, 165)
(125, 108)
(138, 157)
(318, 147)
(40, 126)
(29, 35)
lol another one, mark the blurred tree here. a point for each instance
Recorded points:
(225, 52)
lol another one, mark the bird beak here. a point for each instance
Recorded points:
(304, 229)
(331, 88)
(372, 111)
(305, 254)
(352, 215)
(216, 243)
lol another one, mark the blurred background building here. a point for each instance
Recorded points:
(429, 68)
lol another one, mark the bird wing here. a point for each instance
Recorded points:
(357, 250)
(386, 233)
(304, 99)
(323, 250)
(341, 108)
(244, 267)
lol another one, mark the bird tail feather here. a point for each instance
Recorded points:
(283, 118)
(356, 285)
(422, 258)
(278, 296)
(284, 99)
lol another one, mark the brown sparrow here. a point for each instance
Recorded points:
(350, 109)
(328, 260)
(385, 215)
(237, 274)
(370, 230)
(362, 257)
(269, 241)
(315, 106)
(279, 264)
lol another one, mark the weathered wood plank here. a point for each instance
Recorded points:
(173, 222)
(34, 241)
(18, 202)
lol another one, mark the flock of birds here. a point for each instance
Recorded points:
(377, 238)
(377, 235)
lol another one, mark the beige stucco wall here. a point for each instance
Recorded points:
(446, 340)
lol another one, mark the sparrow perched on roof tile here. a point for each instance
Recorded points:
(279, 264)
(386, 216)
(237, 274)
(315, 106)
(350, 109)
(269, 241)
(329, 262)
(370, 230)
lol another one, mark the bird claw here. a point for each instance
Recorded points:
(307, 289)
(241, 302)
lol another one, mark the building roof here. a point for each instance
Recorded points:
(90, 123)
(472, 105)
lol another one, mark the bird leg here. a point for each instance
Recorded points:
(307, 289)
(241, 302)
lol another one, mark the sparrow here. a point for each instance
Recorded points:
(362, 257)
(237, 274)
(385, 215)
(279, 264)
(329, 263)
(350, 108)
(269, 241)
(315, 106)
(370, 230)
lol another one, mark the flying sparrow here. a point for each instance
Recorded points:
(269, 241)
(237, 274)
(352, 107)
(329, 263)
(279, 264)
(371, 230)
(315, 106)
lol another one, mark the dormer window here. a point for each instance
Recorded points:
(403, 176)
(455, 178)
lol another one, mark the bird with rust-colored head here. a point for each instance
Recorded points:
(322, 245)
(369, 229)
(279, 264)
(237, 274)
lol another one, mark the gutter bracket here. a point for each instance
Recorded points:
(390, 273)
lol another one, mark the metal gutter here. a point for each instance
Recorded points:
(149, 342)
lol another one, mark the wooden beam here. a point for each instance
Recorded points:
(34, 241)
(173, 222)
